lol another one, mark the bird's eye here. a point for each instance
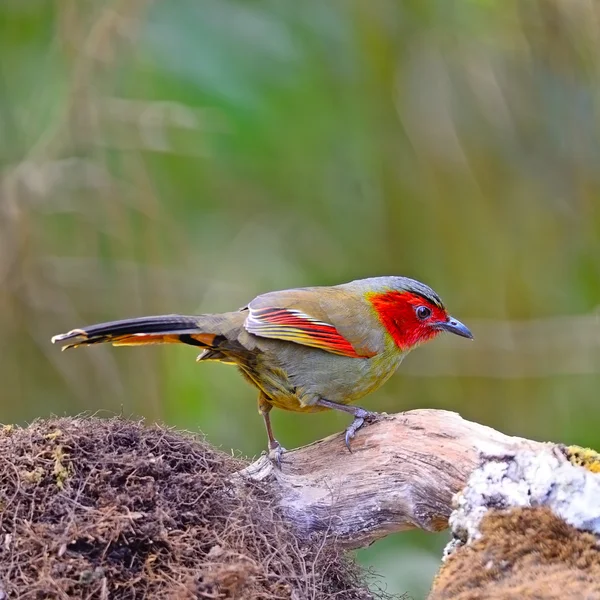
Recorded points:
(423, 313)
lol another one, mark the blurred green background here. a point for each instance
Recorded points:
(186, 155)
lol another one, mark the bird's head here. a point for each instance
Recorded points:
(411, 312)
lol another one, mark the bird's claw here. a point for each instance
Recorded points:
(360, 417)
(276, 451)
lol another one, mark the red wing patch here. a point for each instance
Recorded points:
(295, 326)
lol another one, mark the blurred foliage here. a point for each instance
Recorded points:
(185, 156)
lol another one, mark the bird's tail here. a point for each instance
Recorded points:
(164, 329)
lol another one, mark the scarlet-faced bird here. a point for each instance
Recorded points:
(305, 349)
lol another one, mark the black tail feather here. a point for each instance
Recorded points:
(158, 324)
(105, 332)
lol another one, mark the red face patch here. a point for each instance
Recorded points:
(397, 311)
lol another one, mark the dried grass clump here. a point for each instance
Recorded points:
(93, 508)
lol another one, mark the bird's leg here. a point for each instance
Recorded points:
(360, 416)
(275, 448)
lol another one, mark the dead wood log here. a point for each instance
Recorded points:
(402, 473)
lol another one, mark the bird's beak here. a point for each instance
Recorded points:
(454, 326)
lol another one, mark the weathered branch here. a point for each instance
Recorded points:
(402, 474)
(76, 522)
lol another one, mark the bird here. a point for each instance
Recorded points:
(305, 349)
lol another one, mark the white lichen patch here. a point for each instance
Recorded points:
(526, 479)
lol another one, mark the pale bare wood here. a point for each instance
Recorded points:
(402, 474)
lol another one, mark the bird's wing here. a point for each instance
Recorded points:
(301, 316)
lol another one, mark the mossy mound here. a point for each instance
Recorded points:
(108, 508)
(523, 554)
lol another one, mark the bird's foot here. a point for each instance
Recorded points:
(361, 416)
(275, 453)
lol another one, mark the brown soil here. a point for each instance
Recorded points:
(111, 509)
(524, 554)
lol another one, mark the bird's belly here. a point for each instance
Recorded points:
(297, 381)
(274, 383)
(292, 403)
